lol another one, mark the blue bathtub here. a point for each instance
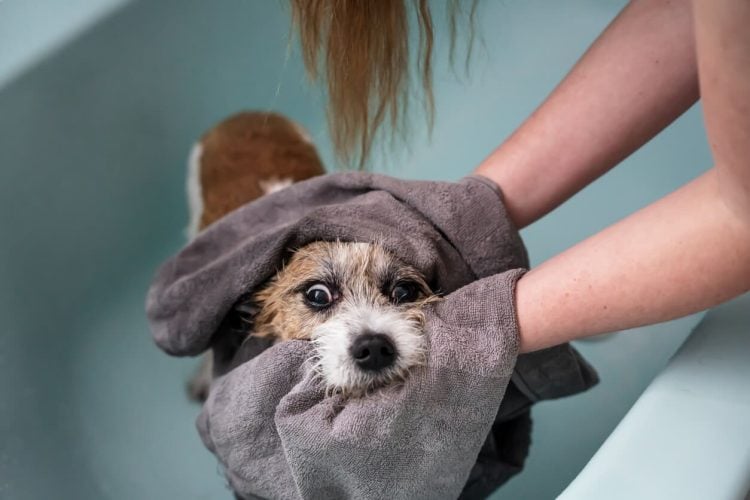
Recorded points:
(99, 104)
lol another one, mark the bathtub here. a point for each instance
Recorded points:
(99, 105)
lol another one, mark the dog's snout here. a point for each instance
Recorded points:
(373, 351)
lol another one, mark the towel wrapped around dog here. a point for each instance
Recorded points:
(279, 436)
(268, 422)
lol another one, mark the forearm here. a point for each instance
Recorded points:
(685, 253)
(633, 81)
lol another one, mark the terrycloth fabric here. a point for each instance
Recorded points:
(453, 233)
(278, 436)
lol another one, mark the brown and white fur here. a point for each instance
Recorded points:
(358, 303)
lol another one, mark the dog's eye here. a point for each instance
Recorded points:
(404, 291)
(319, 296)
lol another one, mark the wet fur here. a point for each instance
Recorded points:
(363, 274)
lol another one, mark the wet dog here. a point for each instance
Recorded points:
(358, 303)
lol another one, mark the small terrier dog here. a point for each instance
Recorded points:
(359, 304)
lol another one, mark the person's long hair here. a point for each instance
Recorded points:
(360, 49)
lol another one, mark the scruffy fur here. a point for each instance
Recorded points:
(363, 276)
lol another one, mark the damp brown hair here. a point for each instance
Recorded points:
(360, 50)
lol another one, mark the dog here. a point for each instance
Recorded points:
(359, 304)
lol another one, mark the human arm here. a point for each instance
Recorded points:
(686, 252)
(634, 80)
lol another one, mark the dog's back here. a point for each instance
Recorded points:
(242, 158)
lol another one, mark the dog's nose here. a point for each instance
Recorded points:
(373, 351)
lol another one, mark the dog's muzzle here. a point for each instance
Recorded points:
(373, 351)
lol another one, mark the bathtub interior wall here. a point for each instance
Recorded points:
(93, 143)
(31, 31)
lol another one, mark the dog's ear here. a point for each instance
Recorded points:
(246, 308)
(240, 319)
(234, 330)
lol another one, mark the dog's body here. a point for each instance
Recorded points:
(359, 303)
(241, 159)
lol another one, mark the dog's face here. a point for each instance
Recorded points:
(358, 303)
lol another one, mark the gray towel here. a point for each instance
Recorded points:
(453, 233)
(277, 436)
